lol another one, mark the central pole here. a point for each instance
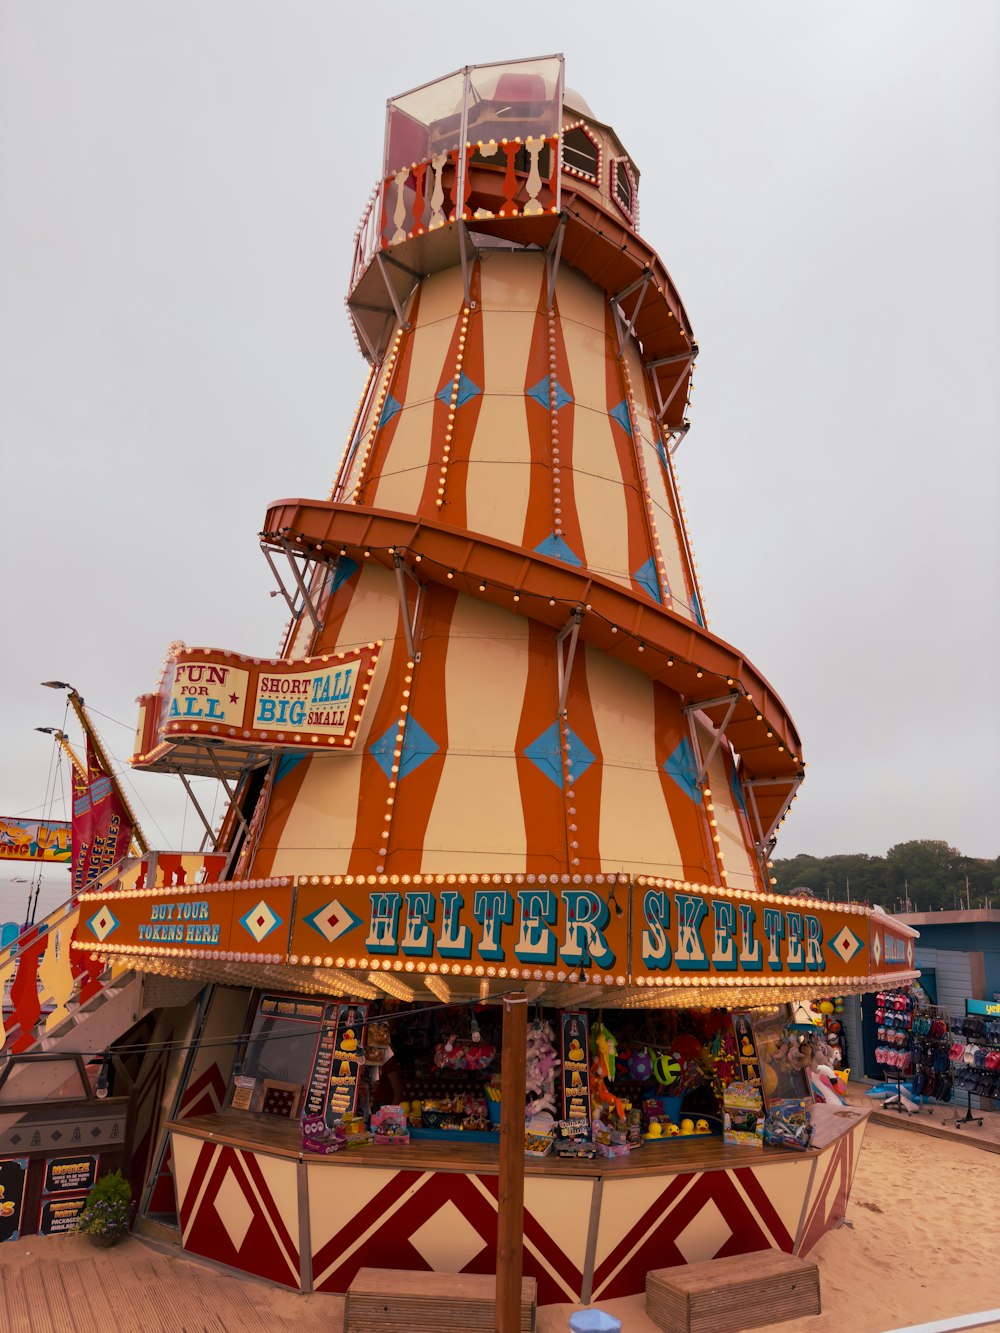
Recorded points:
(510, 1212)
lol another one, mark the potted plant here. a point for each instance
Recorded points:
(105, 1216)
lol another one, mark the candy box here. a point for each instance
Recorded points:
(317, 1138)
(389, 1125)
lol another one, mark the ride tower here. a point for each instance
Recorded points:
(502, 569)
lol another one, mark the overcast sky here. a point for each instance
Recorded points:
(180, 182)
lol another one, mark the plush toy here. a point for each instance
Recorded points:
(540, 1069)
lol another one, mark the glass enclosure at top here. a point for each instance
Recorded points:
(480, 105)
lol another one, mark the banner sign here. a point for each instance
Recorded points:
(689, 931)
(988, 1008)
(13, 1173)
(575, 1066)
(58, 1215)
(34, 840)
(230, 921)
(313, 703)
(479, 918)
(605, 928)
(67, 1175)
(348, 1058)
(102, 829)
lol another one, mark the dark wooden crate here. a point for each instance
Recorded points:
(385, 1300)
(724, 1295)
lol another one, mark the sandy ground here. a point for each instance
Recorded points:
(923, 1242)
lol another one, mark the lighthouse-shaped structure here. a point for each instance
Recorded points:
(505, 542)
(498, 749)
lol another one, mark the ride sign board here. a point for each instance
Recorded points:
(610, 929)
(312, 703)
(34, 840)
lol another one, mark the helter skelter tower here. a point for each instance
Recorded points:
(505, 543)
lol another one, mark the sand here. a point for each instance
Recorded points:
(922, 1242)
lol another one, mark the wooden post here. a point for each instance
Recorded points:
(510, 1213)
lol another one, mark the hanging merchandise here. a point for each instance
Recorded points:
(974, 1054)
(894, 1017)
(542, 1061)
(932, 1076)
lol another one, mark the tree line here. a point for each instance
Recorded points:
(919, 876)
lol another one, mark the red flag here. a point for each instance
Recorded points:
(102, 829)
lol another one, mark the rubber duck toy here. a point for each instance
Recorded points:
(673, 1129)
(687, 1126)
(747, 1048)
(701, 1127)
(575, 1052)
(655, 1131)
(349, 1041)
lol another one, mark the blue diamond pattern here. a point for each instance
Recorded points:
(545, 753)
(646, 578)
(661, 449)
(540, 393)
(285, 765)
(466, 390)
(343, 570)
(737, 789)
(557, 548)
(696, 608)
(417, 746)
(682, 768)
(389, 409)
(620, 414)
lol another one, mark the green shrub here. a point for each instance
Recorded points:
(108, 1206)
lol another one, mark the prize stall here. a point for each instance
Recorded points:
(669, 1111)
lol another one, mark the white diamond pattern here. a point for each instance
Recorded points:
(877, 949)
(845, 944)
(260, 921)
(447, 1241)
(234, 1212)
(103, 922)
(705, 1235)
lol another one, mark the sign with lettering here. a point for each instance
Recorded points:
(34, 840)
(241, 921)
(60, 1215)
(688, 932)
(68, 1175)
(13, 1173)
(606, 928)
(312, 703)
(486, 919)
(575, 1067)
(987, 1008)
(347, 1060)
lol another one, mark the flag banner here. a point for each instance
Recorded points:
(34, 840)
(102, 829)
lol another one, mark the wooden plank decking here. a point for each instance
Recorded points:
(62, 1285)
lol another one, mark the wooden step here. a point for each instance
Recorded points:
(385, 1300)
(723, 1295)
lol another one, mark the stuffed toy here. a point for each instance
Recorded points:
(540, 1069)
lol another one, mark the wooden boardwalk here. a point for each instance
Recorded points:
(63, 1285)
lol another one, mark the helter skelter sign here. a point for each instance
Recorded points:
(307, 703)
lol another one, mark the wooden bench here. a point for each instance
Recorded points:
(722, 1295)
(387, 1300)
